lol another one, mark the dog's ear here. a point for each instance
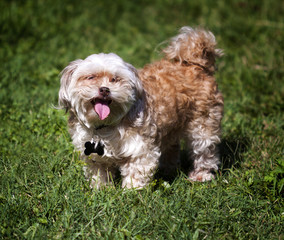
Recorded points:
(137, 109)
(66, 76)
(136, 81)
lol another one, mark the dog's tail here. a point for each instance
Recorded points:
(193, 47)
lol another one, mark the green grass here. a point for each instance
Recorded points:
(43, 193)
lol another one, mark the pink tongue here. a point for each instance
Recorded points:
(102, 109)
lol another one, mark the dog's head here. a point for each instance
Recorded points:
(99, 90)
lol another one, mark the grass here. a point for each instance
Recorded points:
(43, 192)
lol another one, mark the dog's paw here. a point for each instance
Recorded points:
(201, 176)
(131, 183)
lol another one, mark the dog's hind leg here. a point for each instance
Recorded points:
(203, 139)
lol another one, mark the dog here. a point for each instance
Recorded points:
(133, 120)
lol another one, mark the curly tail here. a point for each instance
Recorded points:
(193, 47)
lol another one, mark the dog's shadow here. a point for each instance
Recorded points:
(231, 155)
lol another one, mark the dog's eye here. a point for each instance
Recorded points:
(90, 77)
(114, 79)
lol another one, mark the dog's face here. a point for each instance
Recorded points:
(99, 90)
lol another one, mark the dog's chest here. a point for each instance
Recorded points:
(121, 145)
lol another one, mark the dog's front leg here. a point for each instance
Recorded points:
(99, 174)
(139, 171)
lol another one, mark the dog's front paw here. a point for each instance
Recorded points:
(201, 176)
(129, 182)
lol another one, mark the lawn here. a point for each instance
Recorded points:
(43, 193)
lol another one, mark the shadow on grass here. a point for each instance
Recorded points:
(231, 155)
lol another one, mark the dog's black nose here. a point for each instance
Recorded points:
(104, 91)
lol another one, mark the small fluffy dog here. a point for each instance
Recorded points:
(133, 120)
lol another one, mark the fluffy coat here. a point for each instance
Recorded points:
(140, 116)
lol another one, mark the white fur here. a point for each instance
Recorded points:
(124, 148)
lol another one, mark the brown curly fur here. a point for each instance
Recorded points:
(182, 95)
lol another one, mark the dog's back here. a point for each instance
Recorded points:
(181, 87)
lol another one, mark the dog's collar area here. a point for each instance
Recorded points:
(100, 127)
(93, 147)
